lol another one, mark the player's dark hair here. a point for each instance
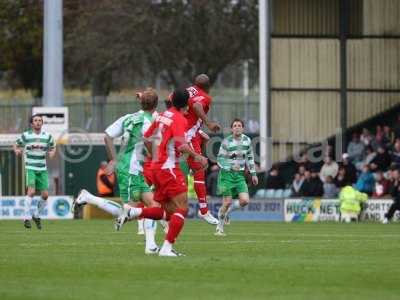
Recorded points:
(34, 116)
(180, 98)
(168, 104)
(237, 120)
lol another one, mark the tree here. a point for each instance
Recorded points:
(177, 38)
(21, 41)
(198, 36)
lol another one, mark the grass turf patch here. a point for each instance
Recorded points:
(89, 260)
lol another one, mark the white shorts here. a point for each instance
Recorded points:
(348, 217)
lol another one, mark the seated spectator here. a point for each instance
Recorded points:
(212, 180)
(274, 180)
(356, 149)
(330, 189)
(370, 155)
(366, 181)
(297, 184)
(381, 185)
(366, 137)
(379, 135)
(330, 168)
(301, 171)
(396, 154)
(388, 136)
(381, 161)
(342, 179)
(305, 190)
(317, 185)
(351, 171)
(312, 185)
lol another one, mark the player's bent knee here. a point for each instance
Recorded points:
(31, 192)
(182, 211)
(244, 201)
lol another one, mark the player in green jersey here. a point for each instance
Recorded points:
(35, 144)
(128, 164)
(234, 156)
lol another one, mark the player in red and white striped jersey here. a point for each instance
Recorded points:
(199, 105)
(166, 141)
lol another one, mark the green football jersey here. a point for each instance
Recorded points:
(35, 147)
(235, 154)
(131, 128)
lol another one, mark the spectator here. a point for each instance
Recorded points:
(330, 168)
(396, 154)
(330, 189)
(274, 180)
(317, 189)
(342, 179)
(381, 185)
(351, 171)
(388, 136)
(370, 155)
(306, 187)
(381, 161)
(297, 184)
(366, 181)
(379, 135)
(366, 137)
(356, 149)
(105, 183)
(312, 185)
(212, 180)
(302, 171)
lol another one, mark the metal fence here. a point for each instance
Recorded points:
(94, 117)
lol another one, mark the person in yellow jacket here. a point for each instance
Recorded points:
(351, 203)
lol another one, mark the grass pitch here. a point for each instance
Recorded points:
(89, 260)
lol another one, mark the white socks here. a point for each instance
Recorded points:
(150, 227)
(28, 206)
(34, 211)
(109, 206)
(40, 208)
(235, 205)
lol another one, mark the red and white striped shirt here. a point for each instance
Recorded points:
(169, 130)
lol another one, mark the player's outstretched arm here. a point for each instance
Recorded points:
(199, 111)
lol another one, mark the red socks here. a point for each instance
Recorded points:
(176, 224)
(154, 213)
(201, 192)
